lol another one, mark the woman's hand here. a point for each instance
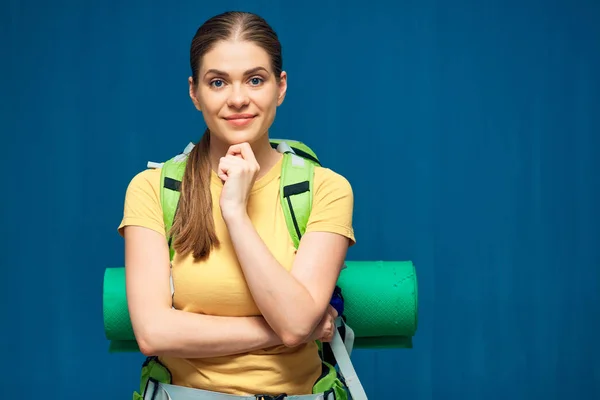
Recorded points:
(324, 331)
(238, 170)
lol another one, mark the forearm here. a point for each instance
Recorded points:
(284, 302)
(178, 333)
(162, 330)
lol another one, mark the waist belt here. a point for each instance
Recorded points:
(164, 391)
(156, 390)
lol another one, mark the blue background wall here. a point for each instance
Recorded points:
(469, 130)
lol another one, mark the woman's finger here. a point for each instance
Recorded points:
(226, 165)
(245, 150)
(238, 164)
(222, 169)
(332, 311)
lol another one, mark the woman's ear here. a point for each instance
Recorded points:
(192, 89)
(282, 88)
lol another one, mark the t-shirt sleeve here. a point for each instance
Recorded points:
(142, 202)
(333, 204)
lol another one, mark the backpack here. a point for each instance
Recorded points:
(296, 197)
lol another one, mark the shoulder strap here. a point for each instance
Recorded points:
(296, 186)
(296, 193)
(171, 175)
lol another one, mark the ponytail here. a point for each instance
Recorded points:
(193, 227)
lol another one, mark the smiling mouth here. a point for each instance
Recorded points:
(240, 116)
(241, 119)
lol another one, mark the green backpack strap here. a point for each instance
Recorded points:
(171, 174)
(296, 194)
(296, 185)
(170, 178)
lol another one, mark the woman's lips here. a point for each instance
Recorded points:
(240, 119)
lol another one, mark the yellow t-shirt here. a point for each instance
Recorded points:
(217, 286)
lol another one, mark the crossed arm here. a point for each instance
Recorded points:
(292, 303)
(291, 311)
(162, 330)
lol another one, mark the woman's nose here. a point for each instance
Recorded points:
(238, 97)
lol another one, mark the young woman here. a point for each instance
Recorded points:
(248, 307)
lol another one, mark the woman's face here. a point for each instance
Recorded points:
(237, 92)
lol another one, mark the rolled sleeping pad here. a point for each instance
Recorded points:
(380, 305)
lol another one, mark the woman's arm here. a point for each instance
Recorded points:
(292, 303)
(161, 330)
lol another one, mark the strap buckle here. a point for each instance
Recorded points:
(281, 396)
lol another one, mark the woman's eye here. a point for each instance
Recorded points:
(217, 83)
(256, 81)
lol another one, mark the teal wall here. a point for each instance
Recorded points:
(468, 129)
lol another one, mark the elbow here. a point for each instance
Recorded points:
(150, 328)
(148, 338)
(146, 346)
(290, 340)
(293, 339)
(150, 333)
(298, 332)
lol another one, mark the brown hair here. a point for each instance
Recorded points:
(193, 227)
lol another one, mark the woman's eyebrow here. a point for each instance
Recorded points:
(248, 72)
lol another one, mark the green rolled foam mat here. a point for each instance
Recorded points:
(380, 305)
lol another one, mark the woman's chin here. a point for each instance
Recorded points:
(245, 136)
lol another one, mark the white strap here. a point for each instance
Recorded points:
(349, 340)
(283, 147)
(297, 161)
(179, 157)
(346, 368)
(154, 165)
(163, 391)
(349, 334)
(188, 148)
